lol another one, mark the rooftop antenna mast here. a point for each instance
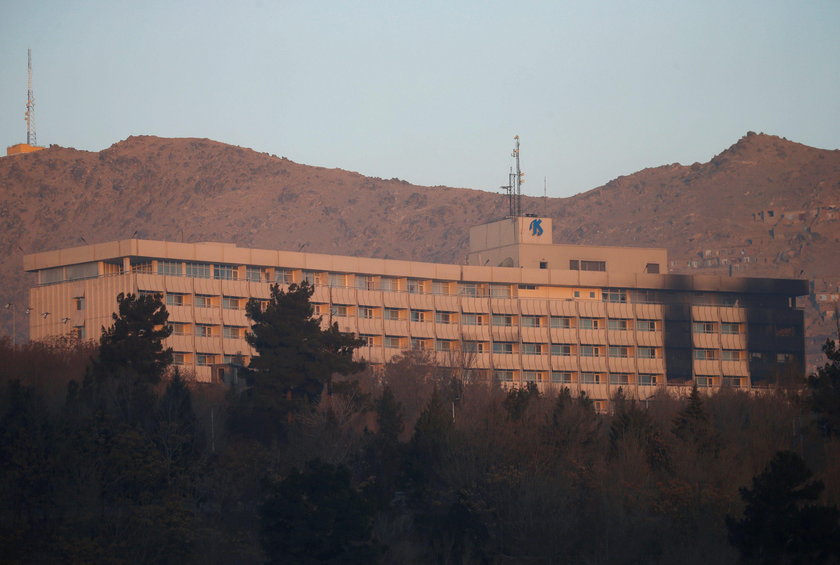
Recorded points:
(514, 186)
(30, 104)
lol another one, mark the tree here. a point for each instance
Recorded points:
(295, 360)
(133, 345)
(692, 425)
(316, 516)
(776, 526)
(825, 391)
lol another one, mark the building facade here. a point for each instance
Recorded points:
(521, 310)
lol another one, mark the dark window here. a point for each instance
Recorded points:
(574, 265)
(593, 265)
(652, 268)
(543, 264)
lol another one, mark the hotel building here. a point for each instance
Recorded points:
(521, 309)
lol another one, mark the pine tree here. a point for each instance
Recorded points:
(825, 391)
(295, 360)
(778, 525)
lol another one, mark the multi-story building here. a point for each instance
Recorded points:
(521, 310)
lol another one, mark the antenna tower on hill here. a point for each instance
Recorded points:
(30, 104)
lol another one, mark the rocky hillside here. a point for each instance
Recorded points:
(764, 207)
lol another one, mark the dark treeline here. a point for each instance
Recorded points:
(108, 455)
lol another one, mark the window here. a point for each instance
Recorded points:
(646, 325)
(179, 358)
(468, 289)
(703, 381)
(170, 268)
(647, 380)
(730, 328)
(501, 320)
(646, 352)
(416, 286)
(440, 287)
(574, 265)
(593, 265)
(198, 270)
(231, 302)
(367, 312)
(474, 347)
(444, 345)
(644, 296)
(617, 324)
(734, 382)
(543, 264)
(590, 378)
(370, 340)
(786, 331)
(310, 277)
(225, 272)
(619, 378)
(561, 349)
(79, 302)
(532, 348)
(203, 301)
(531, 322)
(203, 330)
(78, 332)
(235, 359)
(392, 313)
(503, 347)
(614, 295)
(590, 351)
(473, 319)
(577, 294)
(150, 293)
(233, 332)
(500, 290)
(785, 357)
(590, 323)
(503, 376)
(618, 351)
(286, 276)
(389, 284)
(562, 377)
(90, 271)
(392, 342)
(705, 354)
(339, 310)
(365, 282)
(703, 327)
(253, 274)
(418, 315)
(419, 343)
(205, 358)
(652, 268)
(179, 328)
(444, 317)
(562, 322)
(532, 376)
(730, 355)
(337, 280)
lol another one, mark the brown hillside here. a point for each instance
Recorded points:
(707, 215)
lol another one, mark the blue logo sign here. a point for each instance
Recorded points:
(536, 227)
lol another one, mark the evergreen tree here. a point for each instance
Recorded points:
(825, 391)
(316, 516)
(692, 425)
(295, 360)
(133, 345)
(777, 526)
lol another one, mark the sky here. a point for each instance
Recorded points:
(430, 92)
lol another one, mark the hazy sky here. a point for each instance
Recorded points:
(430, 92)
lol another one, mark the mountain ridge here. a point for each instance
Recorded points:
(712, 217)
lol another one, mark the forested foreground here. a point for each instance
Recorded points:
(108, 455)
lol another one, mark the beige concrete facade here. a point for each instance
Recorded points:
(611, 324)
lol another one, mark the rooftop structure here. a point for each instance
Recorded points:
(522, 310)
